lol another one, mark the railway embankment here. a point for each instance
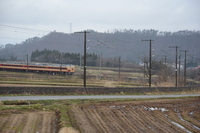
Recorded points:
(7, 90)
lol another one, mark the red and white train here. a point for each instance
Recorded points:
(64, 69)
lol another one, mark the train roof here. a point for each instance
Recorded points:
(37, 63)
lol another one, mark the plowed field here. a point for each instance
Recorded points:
(28, 122)
(163, 116)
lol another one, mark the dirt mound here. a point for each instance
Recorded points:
(150, 116)
(28, 122)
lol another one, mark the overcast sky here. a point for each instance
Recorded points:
(99, 15)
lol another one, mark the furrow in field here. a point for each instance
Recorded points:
(149, 120)
(104, 116)
(161, 122)
(53, 122)
(197, 115)
(13, 124)
(6, 127)
(136, 122)
(174, 117)
(154, 116)
(124, 115)
(21, 123)
(166, 124)
(27, 122)
(117, 124)
(30, 123)
(92, 120)
(49, 120)
(112, 123)
(188, 116)
(43, 123)
(99, 121)
(3, 121)
(196, 129)
(84, 121)
(156, 120)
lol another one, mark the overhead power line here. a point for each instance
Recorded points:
(11, 38)
(22, 28)
(20, 32)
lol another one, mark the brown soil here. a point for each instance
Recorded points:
(12, 121)
(181, 115)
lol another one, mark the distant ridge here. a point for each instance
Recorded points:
(119, 43)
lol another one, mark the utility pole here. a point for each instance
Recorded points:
(144, 66)
(80, 60)
(61, 68)
(165, 60)
(119, 69)
(165, 65)
(60, 59)
(176, 64)
(179, 69)
(100, 65)
(27, 62)
(149, 61)
(184, 66)
(84, 77)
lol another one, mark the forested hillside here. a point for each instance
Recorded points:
(126, 44)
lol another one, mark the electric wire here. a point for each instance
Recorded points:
(22, 28)
(19, 31)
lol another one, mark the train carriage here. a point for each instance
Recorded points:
(64, 69)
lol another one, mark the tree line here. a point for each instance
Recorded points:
(92, 59)
(54, 56)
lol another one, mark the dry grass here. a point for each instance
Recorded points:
(109, 84)
(165, 84)
(109, 78)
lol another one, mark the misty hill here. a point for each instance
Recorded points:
(119, 43)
